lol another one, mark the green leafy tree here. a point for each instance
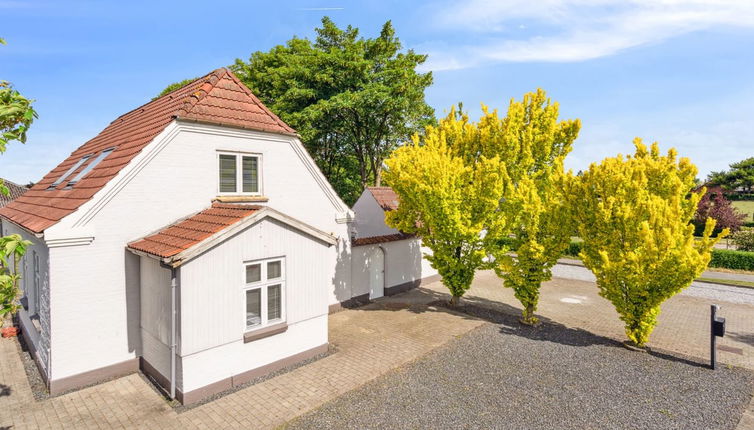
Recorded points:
(741, 174)
(449, 195)
(533, 144)
(16, 115)
(352, 99)
(633, 214)
(12, 249)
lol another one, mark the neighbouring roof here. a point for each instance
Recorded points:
(217, 98)
(15, 191)
(385, 196)
(381, 239)
(208, 224)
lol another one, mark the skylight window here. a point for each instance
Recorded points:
(69, 171)
(90, 166)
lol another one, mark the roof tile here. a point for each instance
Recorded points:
(386, 197)
(217, 98)
(188, 232)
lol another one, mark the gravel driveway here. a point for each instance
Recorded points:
(502, 375)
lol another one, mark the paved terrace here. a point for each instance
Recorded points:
(369, 341)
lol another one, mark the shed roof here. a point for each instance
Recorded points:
(217, 98)
(385, 196)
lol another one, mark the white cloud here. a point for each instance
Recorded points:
(575, 30)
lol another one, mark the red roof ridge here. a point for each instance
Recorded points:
(209, 83)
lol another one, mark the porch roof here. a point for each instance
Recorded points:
(190, 236)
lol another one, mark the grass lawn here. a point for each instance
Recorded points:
(745, 207)
(737, 283)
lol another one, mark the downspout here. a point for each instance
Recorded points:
(173, 343)
(173, 313)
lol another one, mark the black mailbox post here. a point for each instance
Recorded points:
(717, 329)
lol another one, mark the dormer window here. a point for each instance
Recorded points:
(90, 166)
(239, 173)
(69, 171)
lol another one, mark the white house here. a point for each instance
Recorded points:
(385, 261)
(193, 238)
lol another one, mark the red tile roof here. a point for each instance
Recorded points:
(14, 191)
(217, 98)
(385, 196)
(381, 239)
(188, 232)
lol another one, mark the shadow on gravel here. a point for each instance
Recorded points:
(423, 300)
(4, 390)
(547, 330)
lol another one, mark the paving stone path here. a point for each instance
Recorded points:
(369, 342)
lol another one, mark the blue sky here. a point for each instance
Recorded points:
(678, 72)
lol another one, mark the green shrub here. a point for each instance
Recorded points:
(728, 259)
(573, 249)
(744, 239)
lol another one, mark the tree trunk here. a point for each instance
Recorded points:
(455, 300)
(527, 316)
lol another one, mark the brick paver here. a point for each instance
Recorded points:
(369, 342)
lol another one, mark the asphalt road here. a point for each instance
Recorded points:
(716, 292)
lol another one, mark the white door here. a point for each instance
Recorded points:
(376, 264)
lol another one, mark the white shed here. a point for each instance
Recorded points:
(384, 261)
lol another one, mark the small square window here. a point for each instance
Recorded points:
(273, 270)
(239, 173)
(253, 307)
(253, 273)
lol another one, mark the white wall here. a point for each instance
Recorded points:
(369, 217)
(212, 302)
(39, 338)
(404, 263)
(155, 295)
(96, 297)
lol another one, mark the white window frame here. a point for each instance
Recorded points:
(263, 284)
(239, 173)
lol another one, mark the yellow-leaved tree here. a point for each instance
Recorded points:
(634, 214)
(533, 144)
(449, 194)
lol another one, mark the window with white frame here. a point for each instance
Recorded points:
(239, 173)
(264, 292)
(36, 292)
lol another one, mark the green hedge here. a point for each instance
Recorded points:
(739, 196)
(722, 258)
(729, 259)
